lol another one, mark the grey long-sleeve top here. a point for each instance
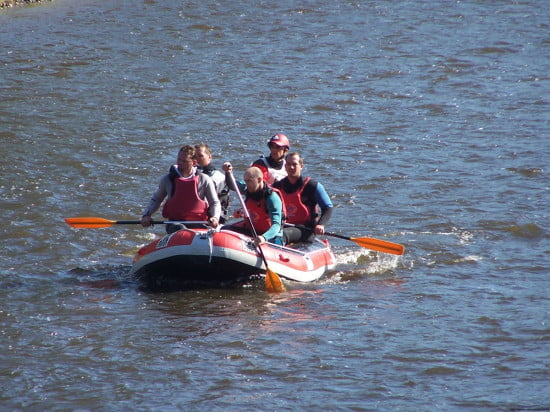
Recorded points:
(206, 190)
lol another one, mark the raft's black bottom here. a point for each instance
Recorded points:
(191, 272)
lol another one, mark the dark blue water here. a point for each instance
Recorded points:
(427, 122)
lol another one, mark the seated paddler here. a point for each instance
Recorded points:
(190, 195)
(263, 203)
(308, 206)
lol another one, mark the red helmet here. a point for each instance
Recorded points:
(280, 140)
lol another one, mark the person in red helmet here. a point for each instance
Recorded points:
(273, 166)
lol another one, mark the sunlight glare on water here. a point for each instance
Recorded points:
(427, 123)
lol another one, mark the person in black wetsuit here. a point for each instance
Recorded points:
(307, 203)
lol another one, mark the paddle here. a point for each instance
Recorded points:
(373, 244)
(367, 242)
(273, 282)
(98, 222)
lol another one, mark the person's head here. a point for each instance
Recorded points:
(186, 159)
(254, 178)
(279, 145)
(294, 165)
(203, 154)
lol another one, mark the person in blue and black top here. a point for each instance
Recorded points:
(308, 206)
(264, 205)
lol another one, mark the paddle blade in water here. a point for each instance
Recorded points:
(273, 282)
(379, 245)
(88, 222)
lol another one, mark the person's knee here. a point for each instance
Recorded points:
(291, 235)
(308, 236)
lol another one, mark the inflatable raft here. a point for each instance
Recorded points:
(205, 257)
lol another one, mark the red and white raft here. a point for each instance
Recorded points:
(191, 258)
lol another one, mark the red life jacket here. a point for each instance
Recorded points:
(298, 213)
(258, 212)
(186, 204)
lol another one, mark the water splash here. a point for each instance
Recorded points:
(353, 264)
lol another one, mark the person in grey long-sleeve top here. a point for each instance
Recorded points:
(190, 195)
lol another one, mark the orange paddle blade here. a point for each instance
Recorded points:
(89, 222)
(273, 282)
(379, 245)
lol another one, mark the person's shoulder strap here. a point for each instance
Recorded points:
(309, 190)
(265, 161)
(272, 190)
(259, 162)
(310, 185)
(173, 173)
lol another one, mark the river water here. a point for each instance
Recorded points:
(426, 121)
